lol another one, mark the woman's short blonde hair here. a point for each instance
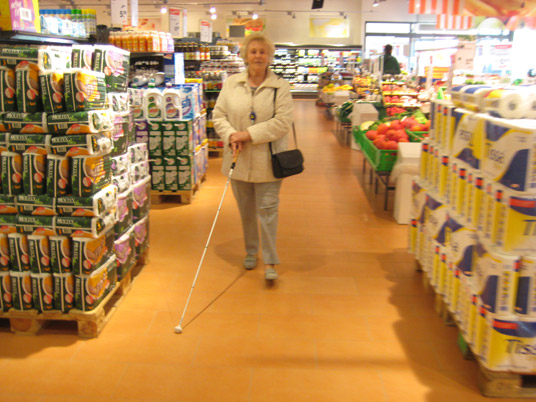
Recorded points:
(259, 37)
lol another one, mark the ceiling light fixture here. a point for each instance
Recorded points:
(212, 10)
(254, 16)
(213, 16)
(376, 3)
(163, 10)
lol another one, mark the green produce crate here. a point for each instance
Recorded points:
(382, 160)
(416, 136)
(340, 117)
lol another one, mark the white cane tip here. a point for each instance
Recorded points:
(178, 329)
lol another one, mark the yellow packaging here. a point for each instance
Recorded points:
(510, 153)
(435, 171)
(526, 288)
(509, 344)
(27, 88)
(456, 95)
(468, 140)
(473, 97)
(437, 249)
(436, 217)
(508, 103)
(487, 219)
(461, 184)
(423, 168)
(418, 199)
(463, 304)
(449, 125)
(452, 181)
(473, 196)
(20, 16)
(516, 222)
(43, 291)
(496, 278)
(21, 287)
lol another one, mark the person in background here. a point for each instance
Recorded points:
(390, 63)
(253, 109)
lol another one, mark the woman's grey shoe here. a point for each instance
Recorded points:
(250, 262)
(270, 274)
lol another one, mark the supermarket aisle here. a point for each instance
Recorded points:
(347, 321)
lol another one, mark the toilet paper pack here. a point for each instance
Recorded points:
(118, 102)
(6, 294)
(125, 251)
(42, 291)
(418, 202)
(91, 289)
(124, 212)
(510, 157)
(19, 253)
(60, 254)
(43, 57)
(5, 255)
(42, 205)
(138, 153)
(515, 222)
(423, 165)
(141, 194)
(29, 143)
(473, 97)
(526, 289)
(122, 182)
(120, 164)
(89, 254)
(36, 224)
(450, 121)
(21, 287)
(473, 196)
(141, 235)
(95, 205)
(496, 277)
(436, 218)
(468, 140)
(509, 103)
(63, 291)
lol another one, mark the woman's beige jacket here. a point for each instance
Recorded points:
(232, 113)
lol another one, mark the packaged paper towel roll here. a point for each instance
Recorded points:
(496, 277)
(468, 141)
(7, 205)
(456, 95)
(58, 175)
(93, 205)
(39, 254)
(6, 294)
(125, 251)
(436, 214)
(19, 252)
(43, 291)
(509, 104)
(11, 173)
(510, 154)
(28, 91)
(423, 168)
(84, 122)
(63, 291)
(36, 205)
(473, 97)
(52, 91)
(526, 290)
(89, 254)
(90, 290)
(34, 173)
(8, 102)
(60, 254)
(473, 196)
(21, 286)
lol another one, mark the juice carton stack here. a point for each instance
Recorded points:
(62, 213)
(478, 175)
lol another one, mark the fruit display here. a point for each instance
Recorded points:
(389, 132)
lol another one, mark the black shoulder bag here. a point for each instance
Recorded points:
(287, 163)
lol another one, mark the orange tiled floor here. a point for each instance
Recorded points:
(347, 321)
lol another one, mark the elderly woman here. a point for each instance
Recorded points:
(253, 110)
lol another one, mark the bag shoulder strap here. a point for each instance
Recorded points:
(293, 128)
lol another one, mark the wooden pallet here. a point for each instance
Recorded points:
(179, 196)
(506, 385)
(89, 323)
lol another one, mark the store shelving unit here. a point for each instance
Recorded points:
(21, 37)
(303, 66)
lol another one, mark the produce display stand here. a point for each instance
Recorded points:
(493, 384)
(380, 161)
(89, 323)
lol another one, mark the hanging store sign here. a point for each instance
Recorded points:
(205, 29)
(119, 12)
(465, 56)
(134, 13)
(177, 22)
(326, 27)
